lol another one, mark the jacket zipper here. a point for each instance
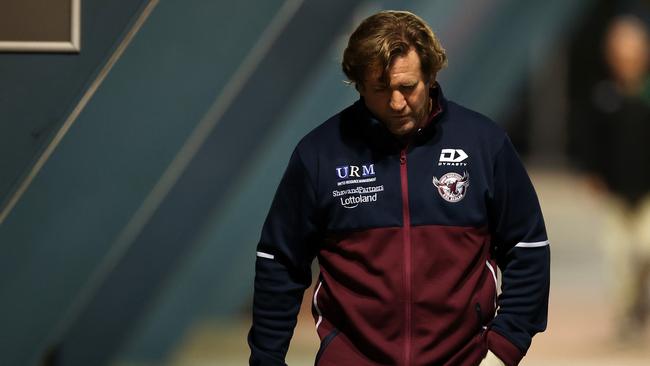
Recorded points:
(406, 215)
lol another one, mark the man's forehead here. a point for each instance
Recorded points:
(377, 75)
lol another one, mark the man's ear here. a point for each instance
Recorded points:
(432, 81)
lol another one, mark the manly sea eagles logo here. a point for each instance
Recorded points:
(451, 186)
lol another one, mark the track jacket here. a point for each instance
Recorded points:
(408, 240)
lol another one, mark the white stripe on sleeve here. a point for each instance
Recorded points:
(533, 245)
(265, 255)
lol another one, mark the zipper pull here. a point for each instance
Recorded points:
(477, 308)
(482, 328)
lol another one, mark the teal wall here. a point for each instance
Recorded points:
(54, 241)
(39, 90)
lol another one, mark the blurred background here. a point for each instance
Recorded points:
(135, 174)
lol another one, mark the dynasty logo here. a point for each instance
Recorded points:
(453, 157)
(451, 186)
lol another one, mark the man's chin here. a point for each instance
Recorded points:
(403, 130)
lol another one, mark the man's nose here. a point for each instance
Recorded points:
(397, 101)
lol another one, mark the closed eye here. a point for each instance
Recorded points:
(408, 87)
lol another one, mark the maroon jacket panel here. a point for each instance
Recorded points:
(362, 295)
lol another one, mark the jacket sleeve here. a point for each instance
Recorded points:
(521, 247)
(282, 268)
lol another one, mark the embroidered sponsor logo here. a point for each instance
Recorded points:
(354, 201)
(357, 190)
(354, 174)
(453, 157)
(451, 186)
(351, 198)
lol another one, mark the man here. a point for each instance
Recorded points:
(615, 157)
(409, 201)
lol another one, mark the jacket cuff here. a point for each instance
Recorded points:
(510, 354)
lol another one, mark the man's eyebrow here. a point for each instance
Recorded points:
(406, 83)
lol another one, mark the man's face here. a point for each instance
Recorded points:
(404, 104)
(627, 51)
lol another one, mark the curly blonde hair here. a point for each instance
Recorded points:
(383, 37)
